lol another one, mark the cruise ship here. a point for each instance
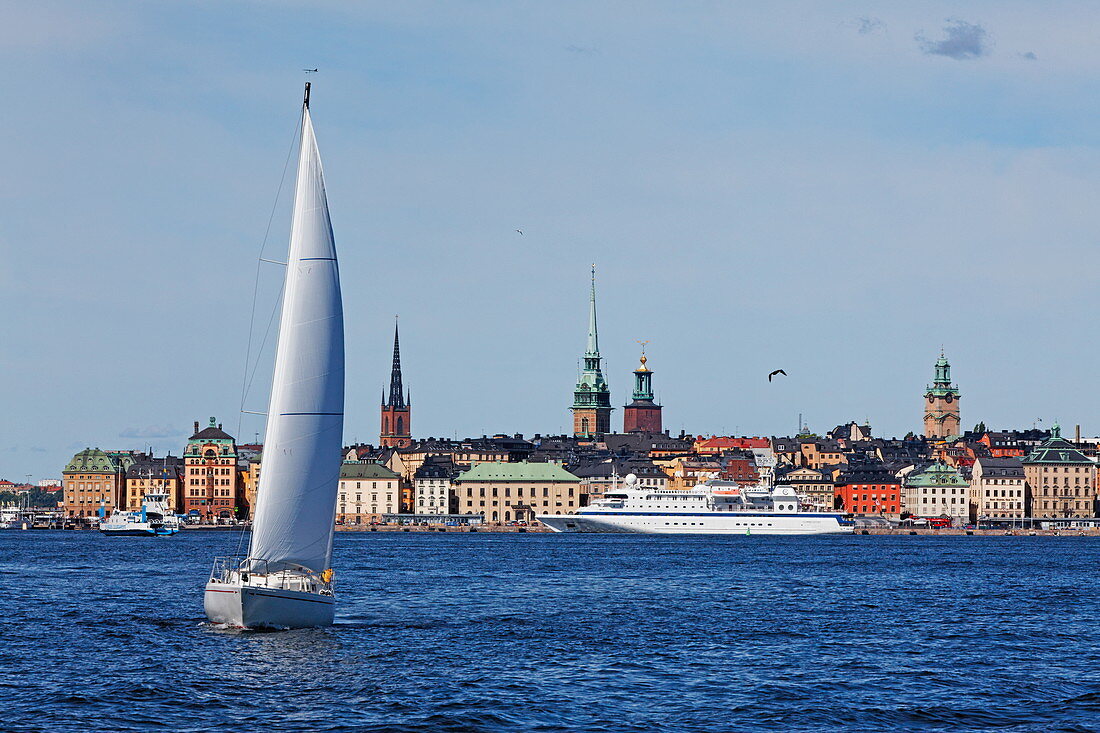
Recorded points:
(713, 507)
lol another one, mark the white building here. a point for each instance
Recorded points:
(938, 491)
(367, 491)
(433, 487)
(997, 488)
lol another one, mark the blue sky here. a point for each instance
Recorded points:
(837, 189)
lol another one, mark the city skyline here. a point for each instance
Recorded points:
(741, 220)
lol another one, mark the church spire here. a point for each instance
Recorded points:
(591, 398)
(593, 335)
(397, 392)
(396, 406)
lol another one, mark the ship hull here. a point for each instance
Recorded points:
(251, 607)
(705, 524)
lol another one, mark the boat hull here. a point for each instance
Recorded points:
(255, 607)
(712, 523)
(136, 532)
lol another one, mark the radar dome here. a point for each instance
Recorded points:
(631, 479)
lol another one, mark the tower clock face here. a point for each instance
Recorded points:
(949, 398)
(931, 399)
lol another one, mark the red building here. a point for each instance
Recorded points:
(869, 492)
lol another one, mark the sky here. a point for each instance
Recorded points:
(836, 189)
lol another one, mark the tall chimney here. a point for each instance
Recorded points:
(196, 428)
(1077, 433)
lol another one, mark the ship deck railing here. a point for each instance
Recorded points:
(254, 572)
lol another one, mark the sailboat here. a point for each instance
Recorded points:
(286, 579)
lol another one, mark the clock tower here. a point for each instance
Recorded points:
(941, 404)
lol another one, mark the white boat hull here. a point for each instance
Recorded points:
(258, 607)
(708, 523)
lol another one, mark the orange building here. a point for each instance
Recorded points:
(94, 479)
(869, 492)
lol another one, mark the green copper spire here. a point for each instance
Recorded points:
(643, 380)
(941, 383)
(592, 390)
(593, 336)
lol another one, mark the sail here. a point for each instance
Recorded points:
(296, 496)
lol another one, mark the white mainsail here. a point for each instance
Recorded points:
(296, 497)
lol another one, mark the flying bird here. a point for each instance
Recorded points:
(520, 231)
(777, 371)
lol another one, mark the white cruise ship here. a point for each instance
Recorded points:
(714, 507)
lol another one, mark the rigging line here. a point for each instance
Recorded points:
(245, 381)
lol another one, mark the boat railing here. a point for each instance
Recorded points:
(251, 571)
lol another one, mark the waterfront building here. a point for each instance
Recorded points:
(1061, 479)
(868, 490)
(643, 415)
(998, 488)
(815, 488)
(591, 397)
(506, 492)
(433, 485)
(366, 492)
(156, 475)
(92, 479)
(397, 405)
(938, 491)
(211, 483)
(941, 404)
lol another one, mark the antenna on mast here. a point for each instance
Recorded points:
(306, 100)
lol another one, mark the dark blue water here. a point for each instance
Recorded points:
(482, 632)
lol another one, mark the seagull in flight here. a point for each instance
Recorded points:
(520, 231)
(777, 371)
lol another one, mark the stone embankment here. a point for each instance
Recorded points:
(438, 528)
(984, 532)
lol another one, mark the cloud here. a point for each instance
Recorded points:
(962, 41)
(868, 25)
(151, 431)
(1030, 56)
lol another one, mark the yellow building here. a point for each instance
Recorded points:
(507, 492)
(157, 476)
(1061, 480)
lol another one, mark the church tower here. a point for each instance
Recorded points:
(643, 415)
(397, 406)
(941, 404)
(591, 398)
